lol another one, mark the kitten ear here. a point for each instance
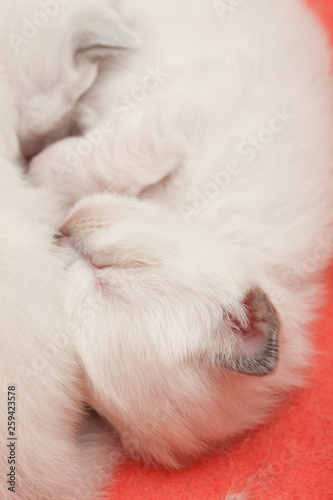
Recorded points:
(250, 346)
(104, 34)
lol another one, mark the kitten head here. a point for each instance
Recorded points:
(53, 50)
(174, 337)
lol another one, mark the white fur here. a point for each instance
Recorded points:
(62, 452)
(50, 70)
(39, 360)
(167, 276)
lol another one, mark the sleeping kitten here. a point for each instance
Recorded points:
(51, 52)
(51, 449)
(204, 258)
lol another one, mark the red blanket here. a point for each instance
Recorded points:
(291, 458)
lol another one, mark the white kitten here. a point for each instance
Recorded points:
(44, 452)
(51, 52)
(234, 150)
(60, 452)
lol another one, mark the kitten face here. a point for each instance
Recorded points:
(53, 55)
(161, 337)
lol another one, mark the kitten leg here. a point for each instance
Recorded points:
(131, 159)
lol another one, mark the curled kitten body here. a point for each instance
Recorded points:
(202, 316)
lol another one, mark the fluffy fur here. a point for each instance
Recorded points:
(51, 52)
(233, 154)
(61, 451)
(55, 457)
